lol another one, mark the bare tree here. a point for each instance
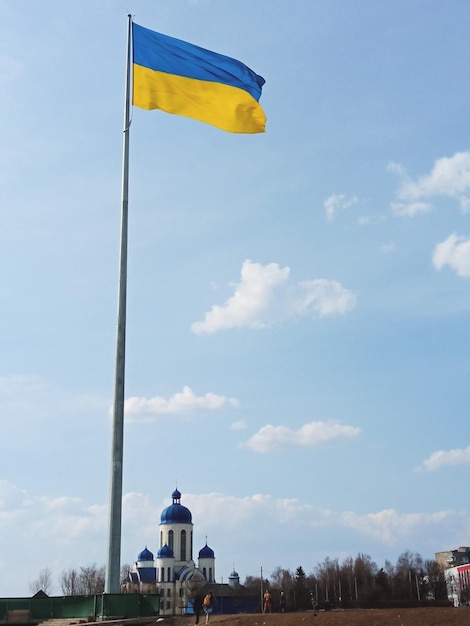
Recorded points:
(92, 580)
(254, 583)
(434, 580)
(407, 575)
(69, 582)
(325, 580)
(125, 569)
(43, 582)
(87, 582)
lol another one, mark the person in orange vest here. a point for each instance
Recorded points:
(208, 605)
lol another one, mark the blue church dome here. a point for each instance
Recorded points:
(206, 553)
(176, 513)
(165, 553)
(145, 555)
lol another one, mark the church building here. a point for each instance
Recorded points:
(173, 573)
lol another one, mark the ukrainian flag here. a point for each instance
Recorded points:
(180, 78)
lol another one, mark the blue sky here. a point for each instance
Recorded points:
(298, 301)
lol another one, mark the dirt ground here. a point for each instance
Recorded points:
(371, 617)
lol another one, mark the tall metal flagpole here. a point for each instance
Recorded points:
(112, 584)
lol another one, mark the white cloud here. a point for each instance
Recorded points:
(410, 209)
(320, 297)
(67, 520)
(454, 252)
(264, 297)
(449, 177)
(181, 403)
(33, 398)
(273, 438)
(337, 202)
(386, 248)
(367, 220)
(240, 425)
(27, 396)
(444, 458)
(392, 527)
(232, 512)
(61, 519)
(249, 306)
(12, 497)
(387, 527)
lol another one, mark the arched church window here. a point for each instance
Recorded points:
(169, 574)
(183, 545)
(204, 571)
(170, 539)
(162, 574)
(210, 574)
(161, 539)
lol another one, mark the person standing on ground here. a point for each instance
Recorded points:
(208, 605)
(314, 603)
(197, 606)
(267, 602)
(282, 602)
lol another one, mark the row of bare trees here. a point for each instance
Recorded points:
(88, 580)
(358, 582)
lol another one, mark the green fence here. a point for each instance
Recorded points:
(105, 605)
